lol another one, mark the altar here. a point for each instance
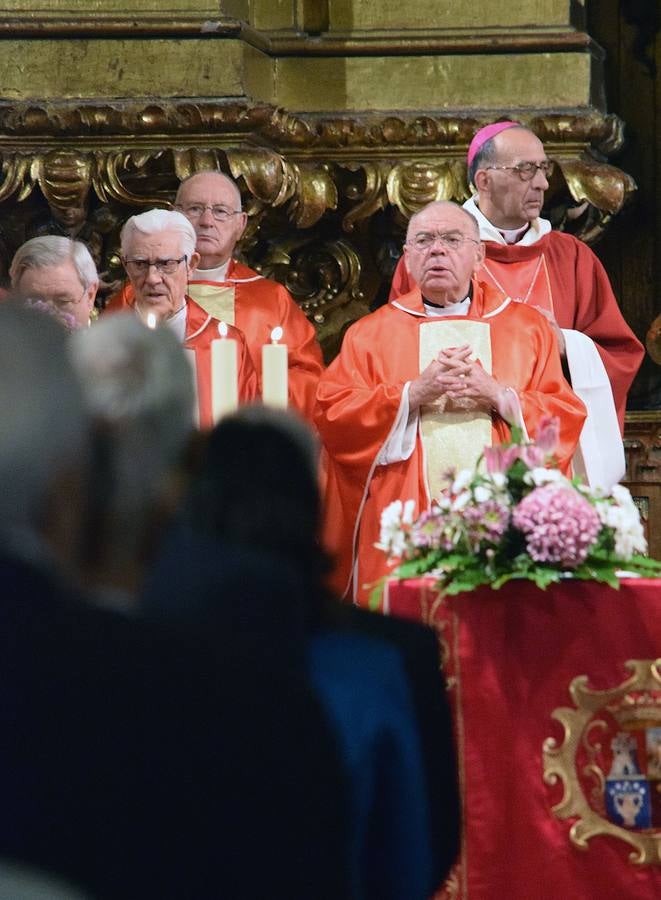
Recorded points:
(556, 699)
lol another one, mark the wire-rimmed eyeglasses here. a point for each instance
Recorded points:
(197, 210)
(451, 240)
(527, 170)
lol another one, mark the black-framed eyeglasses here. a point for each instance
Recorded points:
(527, 170)
(197, 210)
(451, 240)
(140, 267)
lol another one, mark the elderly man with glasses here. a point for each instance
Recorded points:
(231, 291)
(425, 383)
(561, 276)
(57, 274)
(158, 252)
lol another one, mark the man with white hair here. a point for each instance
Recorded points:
(158, 252)
(138, 389)
(59, 272)
(236, 293)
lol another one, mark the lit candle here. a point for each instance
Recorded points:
(275, 388)
(224, 377)
(151, 320)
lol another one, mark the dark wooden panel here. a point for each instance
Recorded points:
(631, 250)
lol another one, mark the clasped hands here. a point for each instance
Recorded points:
(456, 382)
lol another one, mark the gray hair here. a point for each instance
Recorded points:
(487, 155)
(53, 250)
(138, 387)
(44, 424)
(155, 221)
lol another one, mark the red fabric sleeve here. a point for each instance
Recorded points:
(595, 313)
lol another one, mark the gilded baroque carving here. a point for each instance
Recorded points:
(81, 168)
(319, 273)
(643, 446)
(411, 186)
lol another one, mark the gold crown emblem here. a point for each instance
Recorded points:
(641, 709)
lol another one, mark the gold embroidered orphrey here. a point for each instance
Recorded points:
(609, 761)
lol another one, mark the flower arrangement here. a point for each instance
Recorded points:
(517, 519)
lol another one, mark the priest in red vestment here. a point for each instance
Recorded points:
(561, 276)
(424, 383)
(231, 291)
(158, 252)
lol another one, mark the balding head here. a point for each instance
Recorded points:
(443, 251)
(212, 203)
(205, 181)
(506, 198)
(440, 207)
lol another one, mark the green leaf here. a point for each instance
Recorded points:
(375, 597)
(644, 564)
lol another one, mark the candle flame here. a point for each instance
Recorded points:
(276, 334)
(151, 320)
(222, 329)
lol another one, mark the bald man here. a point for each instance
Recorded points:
(559, 275)
(234, 293)
(424, 384)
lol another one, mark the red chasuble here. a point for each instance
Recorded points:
(201, 330)
(561, 275)
(256, 305)
(359, 398)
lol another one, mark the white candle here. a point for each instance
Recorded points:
(190, 357)
(224, 375)
(275, 387)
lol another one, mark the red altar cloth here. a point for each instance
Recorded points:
(510, 656)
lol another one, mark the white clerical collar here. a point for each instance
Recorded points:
(219, 273)
(488, 232)
(177, 323)
(452, 309)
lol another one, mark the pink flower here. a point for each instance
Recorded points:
(485, 524)
(434, 529)
(500, 458)
(532, 456)
(560, 525)
(548, 434)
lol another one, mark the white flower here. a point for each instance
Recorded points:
(392, 538)
(482, 493)
(623, 517)
(622, 496)
(461, 501)
(540, 476)
(462, 481)
(409, 509)
(499, 479)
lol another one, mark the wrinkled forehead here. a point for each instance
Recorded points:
(442, 219)
(518, 145)
(162, 244)
(211, 189)
(53, 275)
